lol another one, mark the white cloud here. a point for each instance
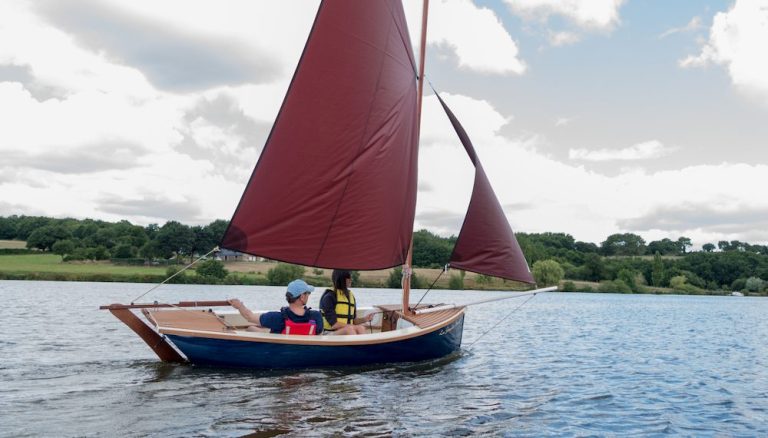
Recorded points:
(693, 25)
(170, 58)
(107, 140)
(54, 60)
(539, 192)
(558, 39)
(737, 41)
(480, 43)
(587, 14)
(153, 156)
(686, 201)
(275, 27)
(641, 151)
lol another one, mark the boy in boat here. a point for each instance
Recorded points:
(339, 309)
(295, 319)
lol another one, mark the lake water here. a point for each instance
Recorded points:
(564, 364)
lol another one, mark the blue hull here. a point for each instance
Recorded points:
(245, 354)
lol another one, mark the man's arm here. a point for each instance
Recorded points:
(244, 311)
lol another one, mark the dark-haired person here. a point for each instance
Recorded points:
(295, 319)
(339, 308)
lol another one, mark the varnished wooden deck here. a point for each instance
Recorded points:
(187, 319)
(424, 320)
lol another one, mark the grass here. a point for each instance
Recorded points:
(43, 263)
(46, 266)
(13, 244)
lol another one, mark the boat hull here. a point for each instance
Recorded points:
(261, 354)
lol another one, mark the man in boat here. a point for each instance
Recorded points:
(295, 319)
(339, 309)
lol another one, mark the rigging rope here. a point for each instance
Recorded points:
(502, 319)
(175, 274)
(430, 287)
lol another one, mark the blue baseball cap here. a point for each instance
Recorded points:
(298, 287)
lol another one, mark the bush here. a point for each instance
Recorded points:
(754, 284)
(694, 280)
(628, 276)
(63, 247)
(394, 281)
(456, 282)
(179, 279)
(739, 284)
(547, 273)
(568, 286)
(284, 273)
(678, 283)
(483, 279)
(98, 253)
(212, 270)
(614, 286)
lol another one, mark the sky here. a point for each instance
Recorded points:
(591, 117)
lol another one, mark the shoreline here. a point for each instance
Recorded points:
(49, 267)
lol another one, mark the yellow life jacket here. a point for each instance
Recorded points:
(345, 309)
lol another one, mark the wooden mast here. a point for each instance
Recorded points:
(409, 258)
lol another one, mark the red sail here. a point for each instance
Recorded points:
(335, 186)
(486, 243)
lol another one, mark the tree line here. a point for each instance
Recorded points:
(90, 239)
(623, 261)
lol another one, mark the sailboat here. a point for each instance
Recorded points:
(335, 187)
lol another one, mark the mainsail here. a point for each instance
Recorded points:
(486, 243)
(335, 186)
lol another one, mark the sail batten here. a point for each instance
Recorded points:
(486, 243)
(336, 183)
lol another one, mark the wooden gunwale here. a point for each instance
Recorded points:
(322, 340)
(118, 306)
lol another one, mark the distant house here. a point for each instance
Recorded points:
(227, 255)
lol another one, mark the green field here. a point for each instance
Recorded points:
(48, 266)
(14, 244)
(52, 263)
